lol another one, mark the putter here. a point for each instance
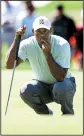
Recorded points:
(18, 42)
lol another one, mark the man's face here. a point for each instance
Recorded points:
(58, 12)
(42, 33)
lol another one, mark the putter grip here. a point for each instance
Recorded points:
(17, 48)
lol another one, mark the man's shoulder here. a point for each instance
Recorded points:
(28, 40)
(68, 18)
(24, 18)
(59, 40)
(33, 15)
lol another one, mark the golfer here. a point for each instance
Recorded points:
(49, 57)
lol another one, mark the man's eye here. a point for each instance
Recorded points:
(45, 31)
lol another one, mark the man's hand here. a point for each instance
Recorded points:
(11, 54)
(20, 31)
(46, 47)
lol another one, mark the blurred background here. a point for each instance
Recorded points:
(66, 18)
(67, 21)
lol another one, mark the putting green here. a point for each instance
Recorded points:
(21, 119)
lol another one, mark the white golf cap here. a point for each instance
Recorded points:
(41, 22)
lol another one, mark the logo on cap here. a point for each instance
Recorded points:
(41, 21)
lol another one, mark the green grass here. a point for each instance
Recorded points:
(69, 5)
(22, 120)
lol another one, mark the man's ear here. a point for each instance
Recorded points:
(33, 30)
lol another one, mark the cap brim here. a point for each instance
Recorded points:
(41, 26)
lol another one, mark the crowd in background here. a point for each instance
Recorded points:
(62, 25)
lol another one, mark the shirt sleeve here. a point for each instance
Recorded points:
(64, 54)
(22, 51)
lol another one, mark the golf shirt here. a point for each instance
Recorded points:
(60, 50)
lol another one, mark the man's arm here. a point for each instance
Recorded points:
(10, 57)
(72, 28)
(57, 71)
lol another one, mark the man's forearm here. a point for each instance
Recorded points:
(56, 70)
(10, 57)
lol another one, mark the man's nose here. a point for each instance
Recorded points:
(42, 36)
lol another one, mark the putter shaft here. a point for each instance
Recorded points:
(10, 86)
